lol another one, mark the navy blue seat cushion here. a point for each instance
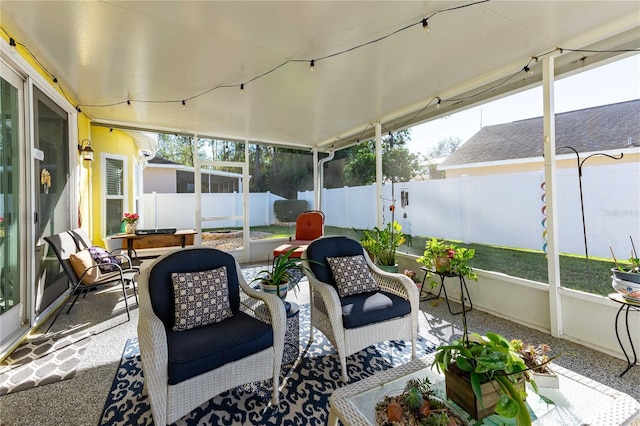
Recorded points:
(322, 248)
(193, 260)
(369, 308)
(201, 349)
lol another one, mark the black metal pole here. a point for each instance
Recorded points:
(584, 226)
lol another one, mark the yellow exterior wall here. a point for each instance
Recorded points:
(537, 166)
(117, 142)
(89, 173)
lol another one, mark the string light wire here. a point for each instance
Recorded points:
(422, 22)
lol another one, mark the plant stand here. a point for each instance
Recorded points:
(464, 292)
(625, 305)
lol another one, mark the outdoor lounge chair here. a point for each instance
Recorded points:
(188, 358)
(309, 226)
(353, 302)
(72, 248)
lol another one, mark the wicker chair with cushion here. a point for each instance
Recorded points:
(353, 302)
(200, 333)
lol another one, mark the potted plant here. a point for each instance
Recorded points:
(277, 279)
(626, 280)
(416, 405)
(537, 359)
(445, 257)
(383, 243)
(130, 222)
(485, 374)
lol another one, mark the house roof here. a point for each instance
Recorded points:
(158, 162)
(603, 128)
(135, 64)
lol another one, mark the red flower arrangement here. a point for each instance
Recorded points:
(131, 217)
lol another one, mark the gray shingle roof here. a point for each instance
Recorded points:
(601, 128)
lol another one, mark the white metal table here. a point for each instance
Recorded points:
(578, 401)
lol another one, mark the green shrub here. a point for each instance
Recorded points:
(288, 210)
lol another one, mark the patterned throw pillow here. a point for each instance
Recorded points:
(201, 298)
(352, 275)
(106, 261)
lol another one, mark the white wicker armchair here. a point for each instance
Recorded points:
(329, 312)
(171, 401)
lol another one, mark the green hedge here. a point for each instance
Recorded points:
(288, 210)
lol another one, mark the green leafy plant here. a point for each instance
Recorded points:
(383, 243)
(445, 257)
(488, 358)
(281, 271)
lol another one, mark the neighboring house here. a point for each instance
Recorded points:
(166, 177)
(518, 146)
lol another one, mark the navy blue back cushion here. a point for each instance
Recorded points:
(191, 260)
(325, 247)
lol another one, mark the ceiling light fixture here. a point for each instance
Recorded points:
(85, 151)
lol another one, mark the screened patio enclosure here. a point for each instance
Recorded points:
(322, 76)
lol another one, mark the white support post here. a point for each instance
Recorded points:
(553, 258)
(246, 226)
(379, 217)
(197, 199)
(317, 185)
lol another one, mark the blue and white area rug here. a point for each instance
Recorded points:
(304, 398)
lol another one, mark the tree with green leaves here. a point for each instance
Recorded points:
(398, 163)
(442, 149)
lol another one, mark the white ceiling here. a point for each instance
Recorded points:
(108, 52)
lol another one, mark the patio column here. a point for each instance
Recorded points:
(553, 258)
(197, 199)
(379, 217)
(317, 185)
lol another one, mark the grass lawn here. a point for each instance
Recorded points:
(576, 273)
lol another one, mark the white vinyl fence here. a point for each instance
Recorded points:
(502, 209)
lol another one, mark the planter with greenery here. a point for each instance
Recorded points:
(447, 258)
(485, 374)
(417, 405)
(383, 243)
(626, 279)
(537, 359)
(282, 275)
(276, 279)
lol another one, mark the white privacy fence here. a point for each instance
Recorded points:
(501, 210)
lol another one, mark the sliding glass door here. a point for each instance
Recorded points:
(12, 287)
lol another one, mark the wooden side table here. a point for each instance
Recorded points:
(464, 292)
(627, 306)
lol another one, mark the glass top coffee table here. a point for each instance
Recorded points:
(578, 401)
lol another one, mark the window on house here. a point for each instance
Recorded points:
(115, 193)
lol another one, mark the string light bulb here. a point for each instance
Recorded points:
(312, 65)
(128, 102)
(184, 104)
(12, 43)
(425, 26)
(527, 69)
(439, 102)
(242, 88)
